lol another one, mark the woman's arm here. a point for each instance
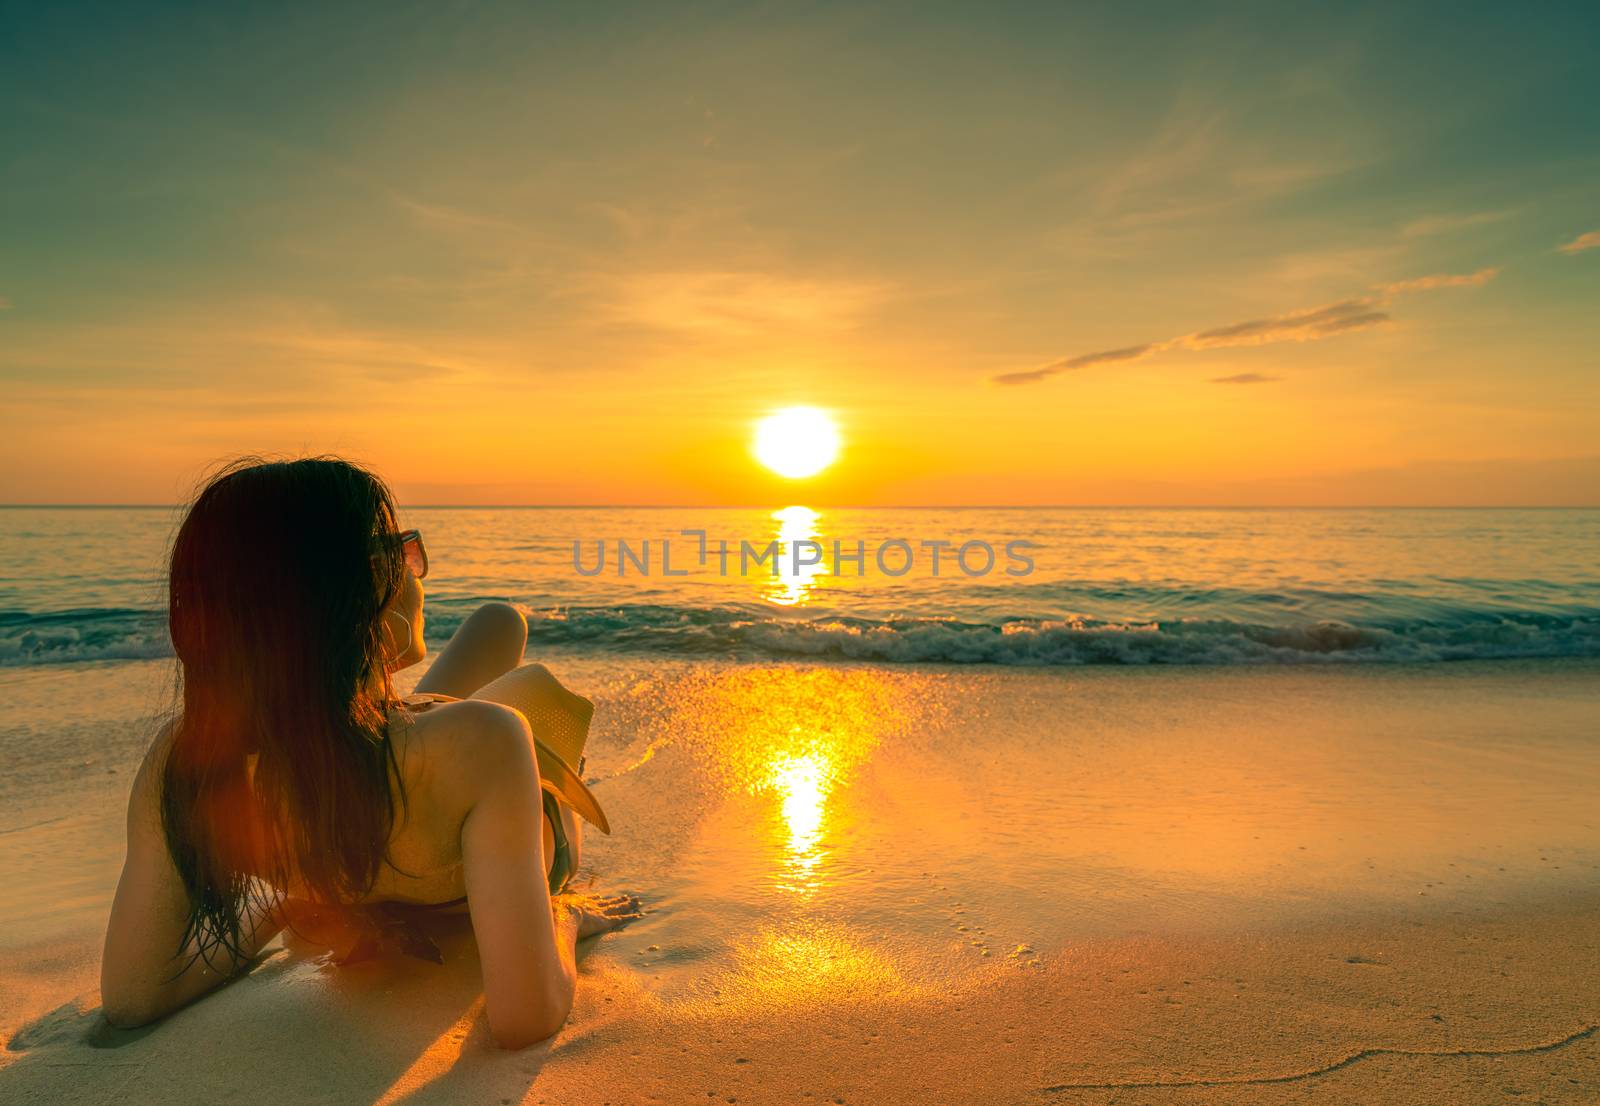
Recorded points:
(529, 969)
(142, 974)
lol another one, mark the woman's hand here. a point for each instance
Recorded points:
(597, 914)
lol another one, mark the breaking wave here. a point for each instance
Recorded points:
(751, 632)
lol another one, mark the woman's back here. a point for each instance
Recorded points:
(423, 858)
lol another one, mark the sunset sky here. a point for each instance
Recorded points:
(1076, 253)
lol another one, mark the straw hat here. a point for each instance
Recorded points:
(560, 731)
(556, 775)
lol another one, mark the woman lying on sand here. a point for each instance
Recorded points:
(291, 776)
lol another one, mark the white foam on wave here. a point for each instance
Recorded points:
(1080, 642)
(743, 632)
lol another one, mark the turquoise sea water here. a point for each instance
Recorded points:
(1106, 586)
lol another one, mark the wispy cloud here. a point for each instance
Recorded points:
(1307, 325)
(1083, 361)
(1583, 242)
(1131, 353)
(1442, 280)
(1430, 225)
(742, 303)
(1030, 376)
(1185, 173)
(1297, 326)
(1245, 378)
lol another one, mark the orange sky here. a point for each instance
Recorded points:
(1051, 257)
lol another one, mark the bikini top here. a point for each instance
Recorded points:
(395, 927)
(421, 700)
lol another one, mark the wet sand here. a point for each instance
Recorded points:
(876, 885)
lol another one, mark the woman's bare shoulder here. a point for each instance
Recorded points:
(463, 744)
(144, 800)
(470, 723)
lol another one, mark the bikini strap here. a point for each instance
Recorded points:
(424, 699)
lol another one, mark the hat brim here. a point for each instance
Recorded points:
(555, 775)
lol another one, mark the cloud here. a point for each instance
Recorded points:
(1307, 325)
(1297, 326)
(1192, 168)
(1444, 280)
(1082, 361)
(1245, 378)
(1430, 225)
(1129, 353)
(448, 217)
(736, 304)
(1031, 377)
(1583, 242)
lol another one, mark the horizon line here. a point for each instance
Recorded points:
(888, 506)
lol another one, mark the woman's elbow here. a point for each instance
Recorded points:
(520, 1037)
(530, 1026)
(524, 1033)
(129, 1011)
(120, 1001)
(127, 1002)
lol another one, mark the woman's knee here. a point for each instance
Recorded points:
(500, 620)
(499, 631)
(488, 643)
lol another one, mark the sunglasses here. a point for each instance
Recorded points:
(415, 553)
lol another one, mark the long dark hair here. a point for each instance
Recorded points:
(280, 575)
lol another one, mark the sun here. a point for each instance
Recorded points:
(796, 442)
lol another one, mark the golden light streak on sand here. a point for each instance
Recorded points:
(804, 783)
(808, 965)
(435, 1060)
(792, 740)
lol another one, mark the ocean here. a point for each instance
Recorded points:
(1021, 586)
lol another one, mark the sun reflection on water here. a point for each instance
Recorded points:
(792, 585)
(791, 742)
(788, 835)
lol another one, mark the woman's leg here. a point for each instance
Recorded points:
(549, 707)
(486, 646)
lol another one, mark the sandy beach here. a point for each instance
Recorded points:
(872, 885)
